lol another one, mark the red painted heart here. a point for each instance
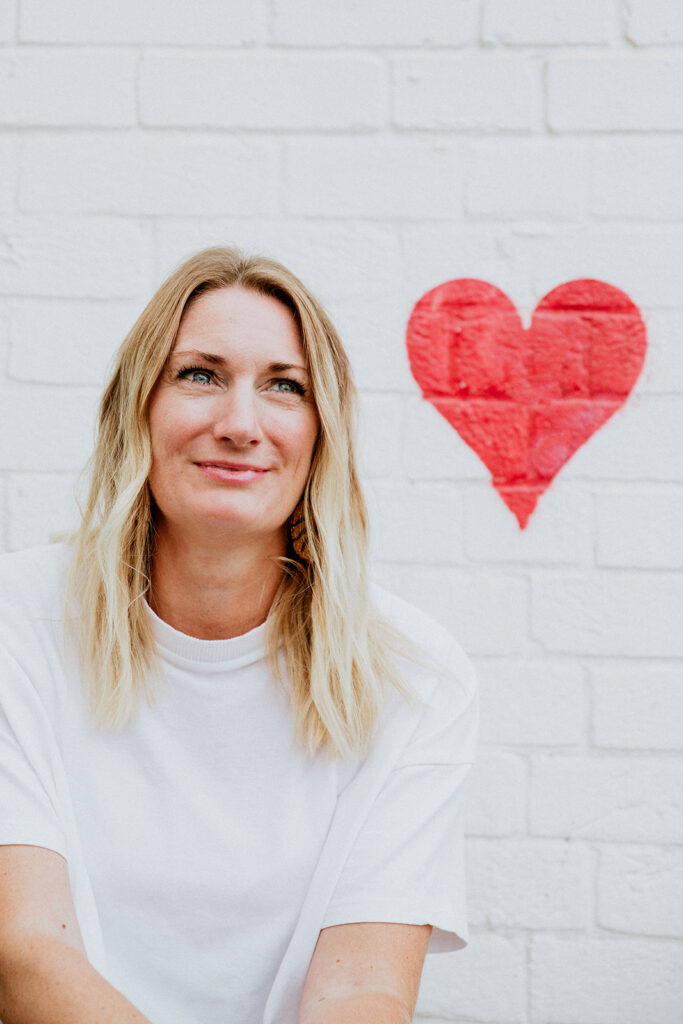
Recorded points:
(525, 400)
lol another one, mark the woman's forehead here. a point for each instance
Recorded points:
(239, 318)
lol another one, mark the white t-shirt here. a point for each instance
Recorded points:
(205, 849)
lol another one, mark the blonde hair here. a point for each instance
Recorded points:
(338, 653)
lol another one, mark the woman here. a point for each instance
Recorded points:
(230, 769)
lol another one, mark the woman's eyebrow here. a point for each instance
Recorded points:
(208, 357)
(216, 360)
(283, 367)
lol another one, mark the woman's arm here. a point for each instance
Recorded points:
(367, 971)
(45, 980)
(44, 973)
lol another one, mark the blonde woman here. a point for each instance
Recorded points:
(230, 768)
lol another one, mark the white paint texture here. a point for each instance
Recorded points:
(380, 149)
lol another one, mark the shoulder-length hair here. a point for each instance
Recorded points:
(337, 652)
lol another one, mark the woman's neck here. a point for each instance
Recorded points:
(212, 591)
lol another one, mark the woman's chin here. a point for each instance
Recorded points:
(230, 524)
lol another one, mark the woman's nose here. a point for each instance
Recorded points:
(236, 416)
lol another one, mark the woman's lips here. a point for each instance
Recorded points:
(232, 472)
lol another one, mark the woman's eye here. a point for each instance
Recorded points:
(288, 386)
(197, 375)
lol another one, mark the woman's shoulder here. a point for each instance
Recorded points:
(31, 619)
(437, 651)
(31, 580)
(439, 672)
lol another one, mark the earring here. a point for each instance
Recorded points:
(298, 533)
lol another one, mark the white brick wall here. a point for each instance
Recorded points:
(380, 149)
(604, 980)
(246, 91)
(553, 885)
(614, 798)
(640, 891)
(605, 93)
(159, 23)
(374, 23)
(64, 89)
(8, 10)
(650, 22)
(636, 180)
(329, 176)
(157, 175)
(547, 22)
(512, 179)
(463, 989)
(486, 92)
(64, 257)
(637, 707)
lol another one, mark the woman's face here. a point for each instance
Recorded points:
(232, 419)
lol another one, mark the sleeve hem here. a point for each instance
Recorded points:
(450, 930)
(53, 841)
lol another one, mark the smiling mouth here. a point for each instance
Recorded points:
(235, 466)
(232, 472)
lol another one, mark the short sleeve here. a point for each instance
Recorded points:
(407, 862)
(28, 812)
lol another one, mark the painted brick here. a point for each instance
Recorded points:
(63, 342)
(612, 798)
(653, 21)
(456, 599)
(523, 884)
(338, 261)
(632, 93)
(637, 179)
(380, 420)
(545, 179)
(472, 366)
(641, 891)
(476, 91)
(532, 703)
(272, 91)
(375, 23)
(39, 506)
(640, 528)
(496, 796)
(59, 88)
(358, 178)
(153, 174)
(94, 258)
(600, 981)
(414, 523)
(214, 23)
(637, 707)
(560, 531)
(48, 429)
(459, 987)
(644, 261)
(635, 614)
(546, 22)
